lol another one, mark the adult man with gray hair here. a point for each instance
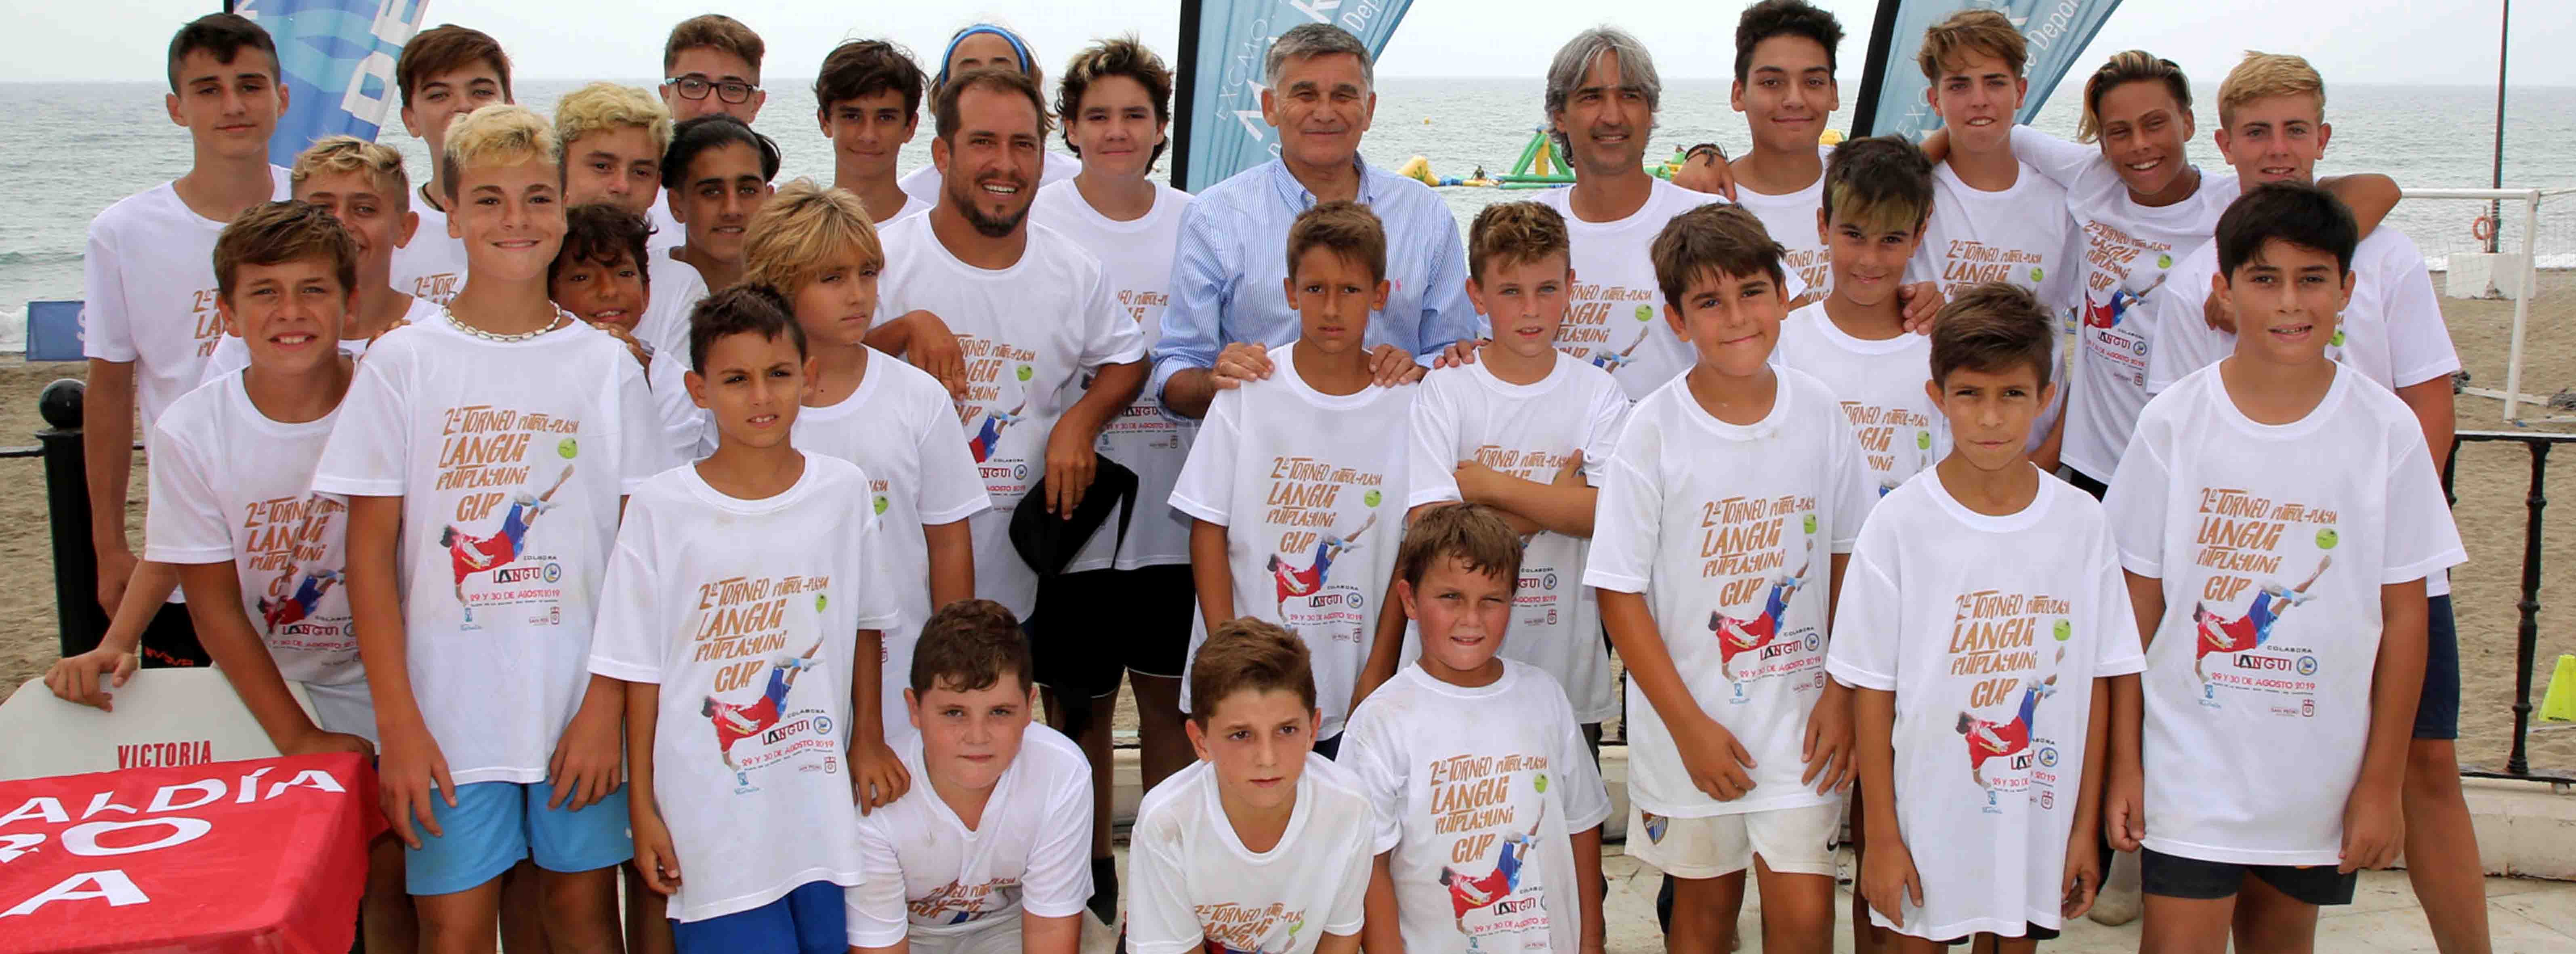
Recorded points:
(1230, 304)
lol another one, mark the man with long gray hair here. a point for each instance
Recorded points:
(1230, 304)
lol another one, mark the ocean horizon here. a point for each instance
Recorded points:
(85, 145)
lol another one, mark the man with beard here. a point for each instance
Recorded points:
(1229, 302)
(1029, 311)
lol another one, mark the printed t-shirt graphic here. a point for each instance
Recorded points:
(2022, 235)
(1614, 316)
(1715, 523)
(2272, 543)
(1899, 428)
(901, 430)
(1030, 333)
(1310, 489)
(2127, 250)
(1528, 431)
(1478, 812)
(510, 459)
(214, 503)
(744, 614)
(1136, 257)
(1195, 887)
(1990, 631)
(932, 878)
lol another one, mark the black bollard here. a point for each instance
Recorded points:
(81, 622)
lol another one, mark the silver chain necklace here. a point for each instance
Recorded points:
(560, 318)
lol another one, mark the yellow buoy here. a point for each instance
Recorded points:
(2559, 704)
(1831, 137)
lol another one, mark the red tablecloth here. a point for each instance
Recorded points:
(264, 855)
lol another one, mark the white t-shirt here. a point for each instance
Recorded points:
(1195, 887)
(2392, 331)
(673, 289)
(1791, 220)
(1901, 430)
(1466, 413)
(931, 877)
(233, 354)
(727, 605)
(1729, 531)
(2128, 249)
(2022, 235)
(1990, 631)
(912, 205)
(2258, 681)
(1614, 315)
(667, 231)
(1310, 489)
(1031, 332)
(899, 427)
(432, 266)
(923, 184)
(230, 485)
(1485, 786)
(1136, 257)
(522, 450)
(150, 275)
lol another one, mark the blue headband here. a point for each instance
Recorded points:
(1018, 49)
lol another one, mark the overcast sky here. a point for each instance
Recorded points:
(2350, 41)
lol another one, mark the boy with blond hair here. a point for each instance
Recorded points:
(1264, 844)
(1528, 431)
(485, 457)
(445, 72)
(1521, 871)
(1736, 490)
(2272, 127)
(362, 184)
(1994, 217)
(816, 247)
(1985, 824)
(1297, 482)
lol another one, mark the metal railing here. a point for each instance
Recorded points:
(2517, 763)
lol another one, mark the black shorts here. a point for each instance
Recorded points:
(2192, 879)
(1091, 626)
(2086, 484)
(2437, 710)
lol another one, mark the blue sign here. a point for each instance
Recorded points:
(338, 60)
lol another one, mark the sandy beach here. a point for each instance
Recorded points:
(2491, 485)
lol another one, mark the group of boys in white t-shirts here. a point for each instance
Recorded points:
(1312, 488)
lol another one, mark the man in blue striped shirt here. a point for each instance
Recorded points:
(1229, 303)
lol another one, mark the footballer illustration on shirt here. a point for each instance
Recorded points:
(2107, 315)
(1613, 361)
(1304, 583)
(1989, 740)
(989, 434)
(1736, 637)
(277, 611)
(2224, 635)
(1494, 890)
(472, 555)
(736, 722)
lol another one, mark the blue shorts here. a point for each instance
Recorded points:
(494, 824)
(812, 919)
(2437, 710)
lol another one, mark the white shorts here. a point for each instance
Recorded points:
(1790, 840)
(347, 707)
